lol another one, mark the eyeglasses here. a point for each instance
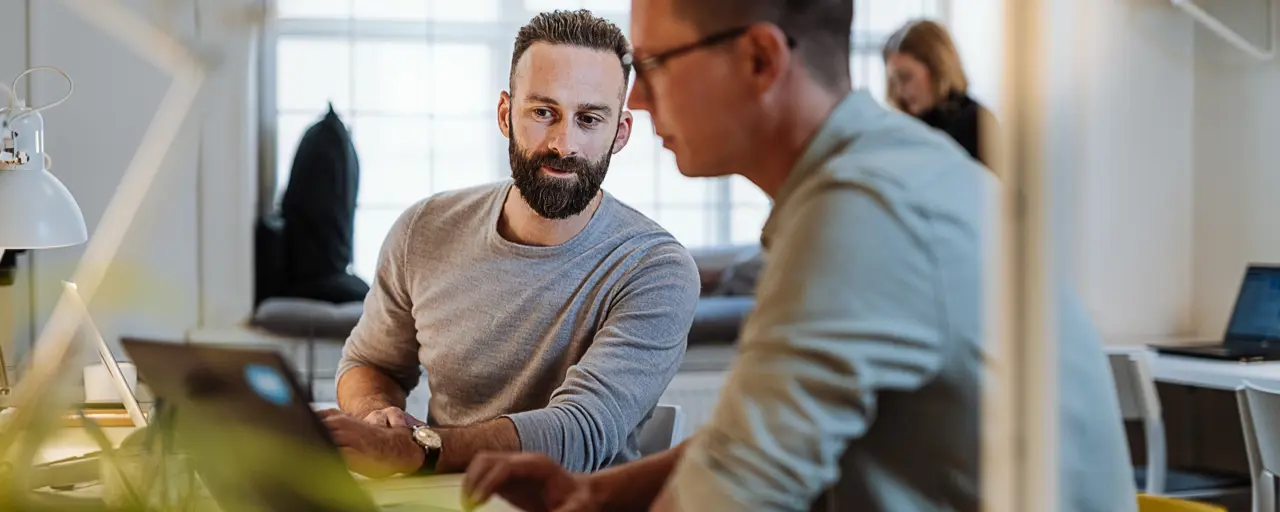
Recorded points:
(653, 62)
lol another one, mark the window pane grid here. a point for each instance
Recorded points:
(418, 131)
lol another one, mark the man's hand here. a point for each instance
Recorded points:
(371, 450)
(392, 417)
(530, 481)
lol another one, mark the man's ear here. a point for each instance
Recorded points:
(504, 114)
(625, 123)
(769, 52)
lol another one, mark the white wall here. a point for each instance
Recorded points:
(228, 175)
(187, 259)
(975, 29)
(15, 325)
(1170, 140)
(1118, 89)
(1136, 160)
(152, 287)
(1237, 180)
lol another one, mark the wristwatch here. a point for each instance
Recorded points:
(430, 442)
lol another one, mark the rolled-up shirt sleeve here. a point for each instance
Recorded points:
(840, 318)
(385, 337)
(632, 359)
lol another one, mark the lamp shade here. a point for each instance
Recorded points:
(38, 212)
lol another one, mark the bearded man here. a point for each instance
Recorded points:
(549, 316)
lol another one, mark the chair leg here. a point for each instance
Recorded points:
(311, 364)
(1264, 494)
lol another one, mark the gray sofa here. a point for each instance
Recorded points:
(728, 277)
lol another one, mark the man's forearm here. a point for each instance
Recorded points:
(364, 389)
(636, 485)
(460, 445)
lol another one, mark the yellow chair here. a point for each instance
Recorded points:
(1149, 503)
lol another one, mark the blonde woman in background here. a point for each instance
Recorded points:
(925, 79)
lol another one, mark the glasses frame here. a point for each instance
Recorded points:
(653, 62)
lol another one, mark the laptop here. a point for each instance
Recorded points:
(251, 434)
(1253, 333)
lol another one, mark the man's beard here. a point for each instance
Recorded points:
(556, 198)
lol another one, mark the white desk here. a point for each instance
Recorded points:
(1205, 373)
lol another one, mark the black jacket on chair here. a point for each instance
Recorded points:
(318, 210)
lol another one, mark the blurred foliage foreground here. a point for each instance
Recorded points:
(153, 470)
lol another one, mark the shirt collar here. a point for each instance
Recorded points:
(843, 124)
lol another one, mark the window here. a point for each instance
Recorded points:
(418, 132)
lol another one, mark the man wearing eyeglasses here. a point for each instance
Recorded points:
(858, 379)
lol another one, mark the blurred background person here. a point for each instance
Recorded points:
(926, 79)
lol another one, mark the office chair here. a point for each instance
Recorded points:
(1260, 416)
(663, 431)
(1139, 401)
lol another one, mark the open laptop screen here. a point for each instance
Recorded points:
(1256, 316)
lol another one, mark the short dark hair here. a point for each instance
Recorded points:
(821, 28)
(574, 28)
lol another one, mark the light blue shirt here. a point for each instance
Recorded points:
(860, 369)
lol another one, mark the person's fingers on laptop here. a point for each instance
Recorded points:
(344, 430)
(334, 421)
(396, 418)
(325, 413)
(341, 437)
(477, 470)
(496, 471)
(378, 417)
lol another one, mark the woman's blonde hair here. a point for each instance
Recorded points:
(930, 43)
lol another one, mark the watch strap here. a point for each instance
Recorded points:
(430, 461)
(431, 458)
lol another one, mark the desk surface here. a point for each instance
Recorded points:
(442, 492)
(1204, 373)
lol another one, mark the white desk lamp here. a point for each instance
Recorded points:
(36, 210)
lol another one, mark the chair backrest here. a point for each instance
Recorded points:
(1263, 409)
(1264, 414)
(1135, 386)
(1139, 401)
(1262, 500)
(663, 431)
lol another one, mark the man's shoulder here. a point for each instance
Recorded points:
(647, 237)
(904, 162)
(904, 151)
(478, 197)
(449, 208)
(904, 168)
(627, 217)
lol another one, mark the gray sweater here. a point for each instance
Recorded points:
(574, 343)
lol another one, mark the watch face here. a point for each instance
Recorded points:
(427, 438)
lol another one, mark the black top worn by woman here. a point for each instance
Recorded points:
(959, 116)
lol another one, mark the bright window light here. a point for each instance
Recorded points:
(417, 82)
